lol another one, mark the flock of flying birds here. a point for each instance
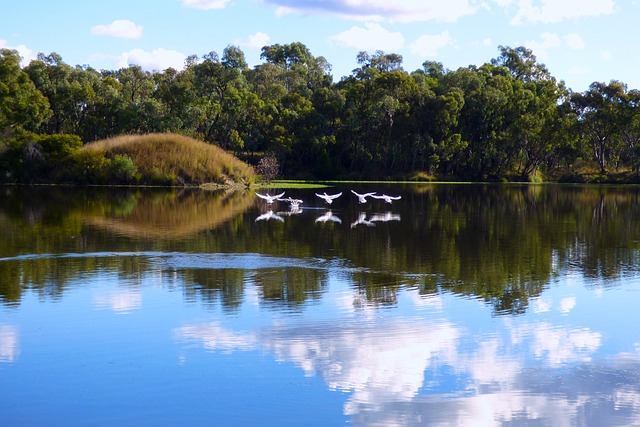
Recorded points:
(294, 208)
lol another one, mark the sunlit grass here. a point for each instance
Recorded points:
(292, 184)
(176, 158)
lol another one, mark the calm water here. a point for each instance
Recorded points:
(458, 305)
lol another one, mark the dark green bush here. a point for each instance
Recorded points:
(122, 169)
(88, 167)
(59, 147)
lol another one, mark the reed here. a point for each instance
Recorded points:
(164, 158)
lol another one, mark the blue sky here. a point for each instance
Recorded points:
(580, 41)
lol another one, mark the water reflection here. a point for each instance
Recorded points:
(385, 217)
(328, 216)
(121, 301)
(362, 219)
(504, 245)
(171, 215)
(8, 343)
(413, 371)
(455, 305)
(269, 215)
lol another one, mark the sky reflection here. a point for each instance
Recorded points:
(120, 301)
(434, 370)
(9, 343)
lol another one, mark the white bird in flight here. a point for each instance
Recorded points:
(362, 198)
(269, 198)
(329, 197)
(387, 199)
(294, 204)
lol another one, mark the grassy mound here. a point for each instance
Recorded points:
(172, 159)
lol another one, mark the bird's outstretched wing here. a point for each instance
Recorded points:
(270, 198)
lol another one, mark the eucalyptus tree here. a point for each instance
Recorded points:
(70, 91)
(598, 110)
(537, 125)
(22, 105)
(436, 112)
(104, 117)
(509, 119)
(141, 109)
(629, 114)
(447, 145)
(174, 89)
(372, 102)
(360, 123)
(327, 120)
(289, 124)
(487, 91)
(209, 89)
(395, 91)
(300, 71)
(380, 61)
(218, 87)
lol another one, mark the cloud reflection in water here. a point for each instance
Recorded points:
(9, 343)
(417, 372)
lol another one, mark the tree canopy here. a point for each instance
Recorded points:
(506, 119)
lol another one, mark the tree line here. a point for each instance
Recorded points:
(507, 119)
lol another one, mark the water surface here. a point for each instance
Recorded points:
(457, 305)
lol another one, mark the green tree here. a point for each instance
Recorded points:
(21, 104)
(599, 112)
(537, 126)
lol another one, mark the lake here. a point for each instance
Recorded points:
(457, 305)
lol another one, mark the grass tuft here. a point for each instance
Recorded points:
(172, 159)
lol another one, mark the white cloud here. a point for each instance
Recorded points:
(578, 71)
(504, 3)
(205, 4)
(372, 37)
(383, 10)
(120, 28)
(549, 41)
(158, 59)
(540, 48)
(283, 11)
(554, 11)
(429, 44)
(574, 41)
(257, 40)
(606, 55)
(25, 53)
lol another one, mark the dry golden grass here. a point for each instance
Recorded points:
(172, 157)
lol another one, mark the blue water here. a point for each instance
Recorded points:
(147, 332)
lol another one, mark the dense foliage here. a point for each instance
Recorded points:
(507, 119)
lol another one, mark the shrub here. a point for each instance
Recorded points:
(268, 167)
(89, 167)
(122, 170)
(59, 146)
